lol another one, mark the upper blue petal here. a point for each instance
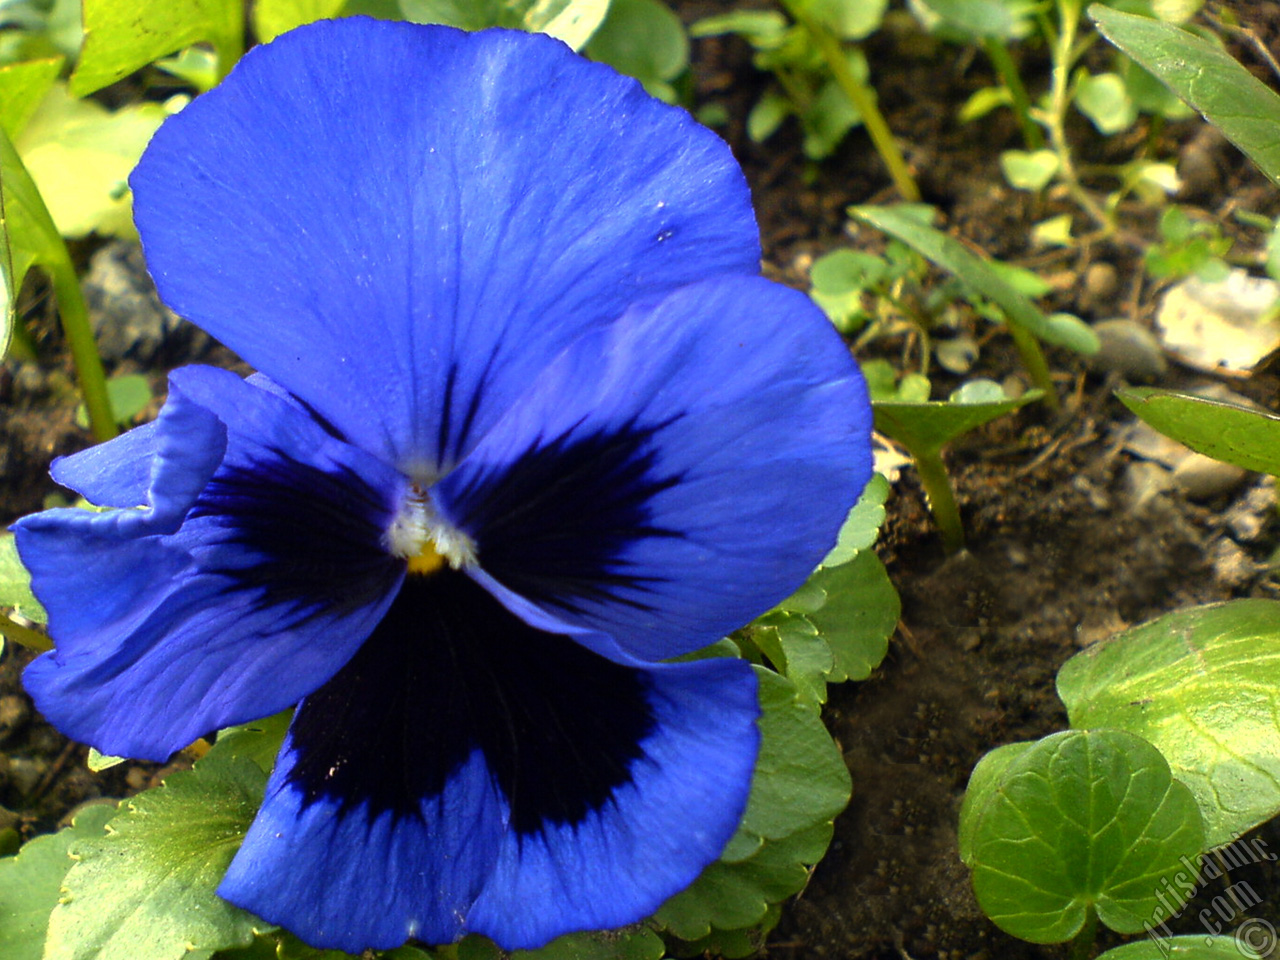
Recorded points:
(466, 772)
(401, 224)
(251, 572)
(676, 474)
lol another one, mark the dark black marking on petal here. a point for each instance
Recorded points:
(312, 537)
(450, 671)
(451, 437)
(555, 524)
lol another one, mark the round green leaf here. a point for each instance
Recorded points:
(643, 39)
(15, 583)
(1104, 100)
(862, 526)
(1203, 685)
(1029, 171)
(1081, 820)
(927, 427)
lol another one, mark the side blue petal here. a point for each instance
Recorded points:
(401, 224)
(115, 474)
(675, 475)
(466, 772)
(249, 575)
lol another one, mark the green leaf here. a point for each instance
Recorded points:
(258, 741)
(30, 883)
(800, 778)
(1189, 947)
(978, 18)
(22, 87)
(1205, 76)
(129, 394)
(862, 526)
(848, 19)
(953, 256)
(758, 27)
(1085, 819)
(984, 779)
(121, 36)
(1203, 685)
(15, 583)
(859, 615)
(146, 891)
(767, 115)
(274, 17)
(463, 14)
(1029, 171)
(1224, 431)
(929, 426)
(731, 896)
(1104, 99)
(573, 21)
(80, 156)
(98, 762)
(643, 39)
(794, 647)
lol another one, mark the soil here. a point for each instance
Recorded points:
(1063, 547)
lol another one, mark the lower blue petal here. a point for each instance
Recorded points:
(250, 575)
(467, 772)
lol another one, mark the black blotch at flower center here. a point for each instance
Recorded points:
(555, 524)
(450, 671)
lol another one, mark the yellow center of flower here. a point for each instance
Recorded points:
(427, 561)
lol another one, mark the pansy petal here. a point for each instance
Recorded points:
(249, 577)
(401, 224)
(675, 475)
(114, 474)
(467, 772)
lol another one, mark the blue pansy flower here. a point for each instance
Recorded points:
(527, 425)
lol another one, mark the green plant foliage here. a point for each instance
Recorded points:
(22, 87)
(258, 741)
(1187, 247)
(983, 782)
(980, 19)
(924, 428)
(1224, 431)
(573, 21)
(121, 36)
(837, 626)
(273, 17)
(146, 890)
(1203, 685)
(839, 279)
(973, 269)
(1203, 74)
(1104, 99)
(1029, 170)
(30, 883)
(80, 155)
(15, 583)
(1080, 822)
(1190, 947)
(645, 40)
(129, 393)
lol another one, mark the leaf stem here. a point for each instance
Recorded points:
(12, 630)
(942, 501)
(998, 54)
(861, 97)
(1082, 942)
(1064, 58)
(84, 351)
(1033, 359)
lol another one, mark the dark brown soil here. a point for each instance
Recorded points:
(1060, 552)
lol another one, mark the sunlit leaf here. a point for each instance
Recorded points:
(1203, 685)
(929, 426)
(1189, 947)
(643, 39)
(22, 87)
(147, 889)
(273, 17)
(15, 583)
(122, 36)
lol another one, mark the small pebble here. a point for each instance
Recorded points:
(1129, 350)
(25, 774)
(1247, 518)
(1143, 480)
(1203, 478)
(1101, 281)
(1232, 566)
